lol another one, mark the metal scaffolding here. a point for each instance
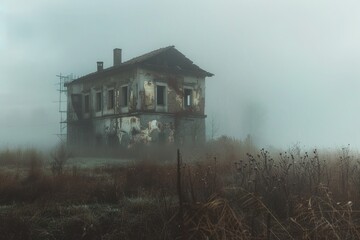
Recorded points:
(62, 103)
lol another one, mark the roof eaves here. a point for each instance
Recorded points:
(135, 61)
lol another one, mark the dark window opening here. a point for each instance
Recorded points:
(187, 97)
(86, 104)
(160, 95)
(111, 100)
(124, 96)
(76, 104)
(98, 102)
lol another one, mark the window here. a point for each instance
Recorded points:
(187, 97)
(86, 103)
(160, 95)
(111, 99)
(98, 102)
(124, 91)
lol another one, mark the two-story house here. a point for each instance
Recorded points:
(157, 97)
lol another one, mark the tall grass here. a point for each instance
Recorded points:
(229, 188)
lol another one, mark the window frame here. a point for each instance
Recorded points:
(98, 101)
(124, 97)
(161, 107)
(86, 103)
(110, 99)
(188, 104)
(164, 100)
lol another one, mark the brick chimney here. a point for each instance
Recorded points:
(117, 56)
(100, 66)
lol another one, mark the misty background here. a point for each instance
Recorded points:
(285, 71)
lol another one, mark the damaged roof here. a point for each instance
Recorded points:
(162, 59)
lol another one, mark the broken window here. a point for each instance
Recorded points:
(111, 99)
(187, 97)
(160, 95)
(86, 103)
(76, 104)
(124, 99)
(98, 102)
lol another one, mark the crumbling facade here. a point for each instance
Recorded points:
(158, 97)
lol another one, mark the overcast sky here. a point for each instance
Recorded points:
(285, 71)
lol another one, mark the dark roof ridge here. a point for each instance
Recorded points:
(136, 60)
(148, 55)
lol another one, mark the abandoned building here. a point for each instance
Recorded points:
(158, 97)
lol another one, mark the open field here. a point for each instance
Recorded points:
(227, 189)
(91, 162)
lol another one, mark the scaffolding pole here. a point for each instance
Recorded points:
(62, 103)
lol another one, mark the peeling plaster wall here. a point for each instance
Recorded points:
(96, 125)
(129, 131)
(165, 128)
(175, 90)
(197, 85)
(116, 127)
(141, 93)
(182, 130)
(148, 95)
(115, 83)
(116, 130)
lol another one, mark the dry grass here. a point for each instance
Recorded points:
(214, 219)
(230, 190)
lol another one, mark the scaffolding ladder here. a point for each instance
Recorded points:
(62, 104)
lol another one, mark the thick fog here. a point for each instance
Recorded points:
(285, 71)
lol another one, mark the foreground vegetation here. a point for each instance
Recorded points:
(227, 189)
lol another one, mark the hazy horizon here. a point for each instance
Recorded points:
(285, 72)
